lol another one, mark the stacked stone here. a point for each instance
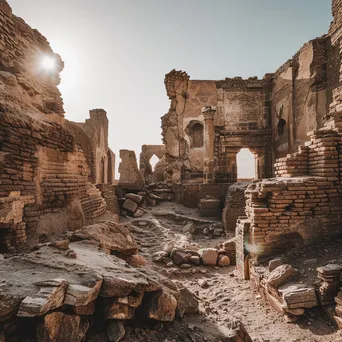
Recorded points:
(108, 192)
(234, 205)
(293, 165)
(331, 283)
(323, 155)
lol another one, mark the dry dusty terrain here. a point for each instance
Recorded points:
(222, 296)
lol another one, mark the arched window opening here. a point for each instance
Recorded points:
(281, 127)
(246, 165)
(195, 132)
(153, 162)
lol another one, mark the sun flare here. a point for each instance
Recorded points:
(48, 63)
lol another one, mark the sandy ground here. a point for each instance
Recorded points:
(222, 296)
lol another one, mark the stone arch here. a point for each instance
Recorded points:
(195, 132)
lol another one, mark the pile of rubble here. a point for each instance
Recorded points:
(53, 293)
(223, 255)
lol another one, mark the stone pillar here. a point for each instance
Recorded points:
(209, 135)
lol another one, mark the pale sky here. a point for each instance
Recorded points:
(117, 52)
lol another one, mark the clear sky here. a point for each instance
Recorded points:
(117, 52)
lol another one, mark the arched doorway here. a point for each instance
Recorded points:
(246, 165)
(153, 162)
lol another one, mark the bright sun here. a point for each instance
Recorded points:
(48, 63)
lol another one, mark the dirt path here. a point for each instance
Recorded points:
(222, 296)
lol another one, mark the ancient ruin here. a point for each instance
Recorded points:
(184, 250)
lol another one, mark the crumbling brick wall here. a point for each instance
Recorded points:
(298, 209)
(45, 164)
(234, 205)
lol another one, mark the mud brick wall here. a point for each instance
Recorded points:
(45, 163)
(291, 211)
(234, 206)
(108, 192)
(43, 171)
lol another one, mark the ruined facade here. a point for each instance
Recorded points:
(48, 165)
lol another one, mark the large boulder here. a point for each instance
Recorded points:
(110, 235)
(187, 302)
(135, 198)
(297, 296)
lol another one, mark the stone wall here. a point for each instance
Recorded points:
(234, 206)
(301, 207)
(46, 163)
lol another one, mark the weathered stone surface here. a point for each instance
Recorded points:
(180, 258)
(195, 260)
(81, 295)
(190, 228)
(279, 275)
(59, 327)
(135, 198)
(115, 331)
(297, 296)
(136, 260)
(110, 235)
(118, 311)
(163, 307)
(208, 256)
(85, 310)
(187, 303)
(50, 297)
(274, 263)
(130, 206)
(223, 260)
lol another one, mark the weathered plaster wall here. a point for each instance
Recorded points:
(299, 97)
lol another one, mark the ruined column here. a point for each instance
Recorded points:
(209, 135)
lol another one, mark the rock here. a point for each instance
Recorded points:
(9, 305)
(296, 296)
(203, 283)
(217, 232)
(159, 256)
(172, 252)
(208, 256)
(195, 260)
(279, 275)
(180, 258)
(136, 260)
(274, 263)
(70, 254)
(135, 198)
(81, 294)
(221, 251)
(62, 244)
(130, 206)
(85, 310)
(190, 228)
(50, 297)
(223, 260)
(163, 307)
(118, 311)
(134, 299)
(192, 253)
(59, 327)
(110, 235)
(185, 266)
(187, 303)
(115, 331)
(206, 231)
(138, 213)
